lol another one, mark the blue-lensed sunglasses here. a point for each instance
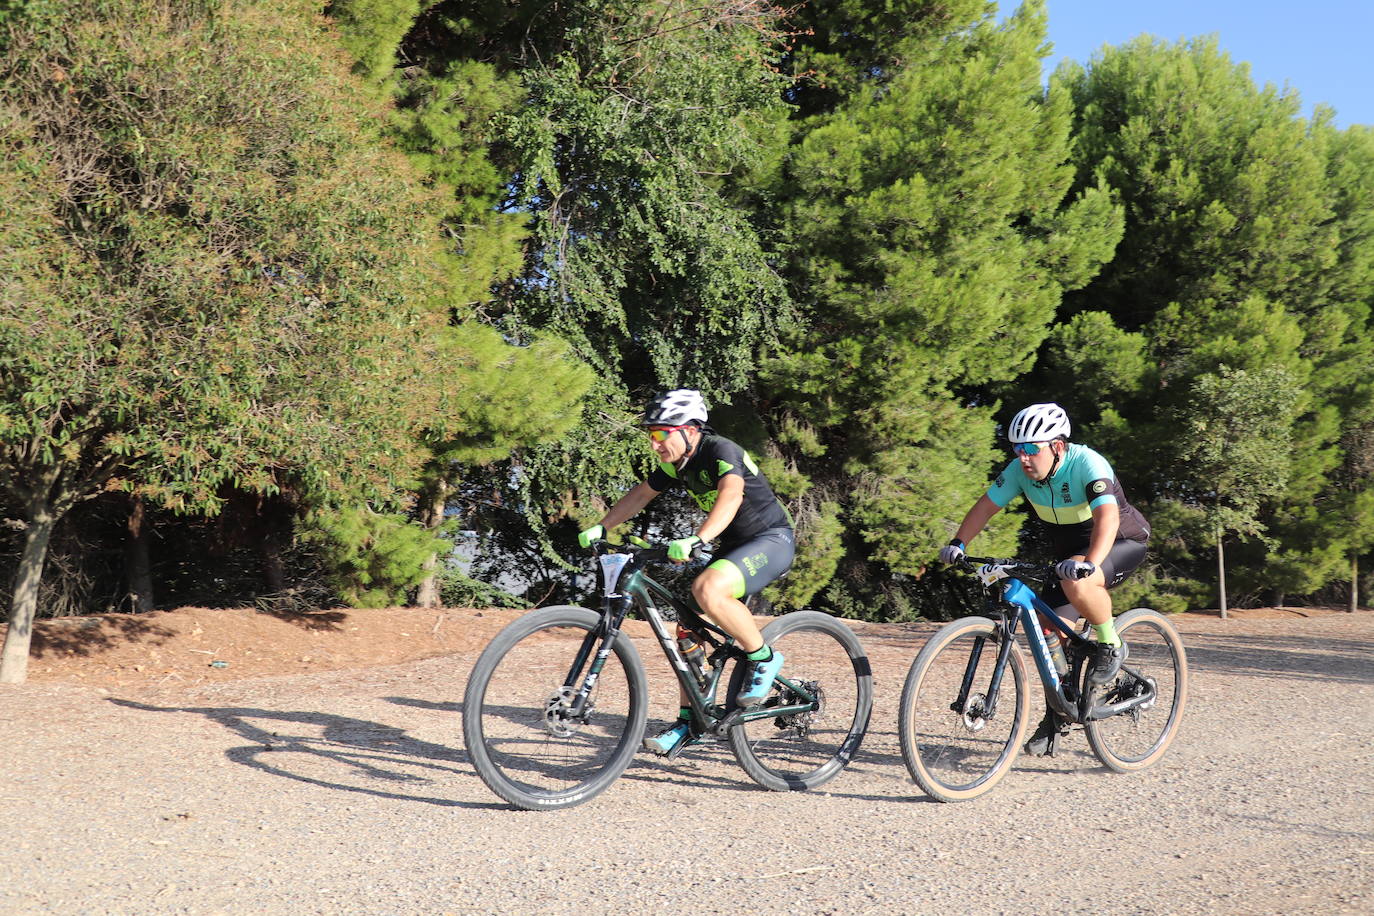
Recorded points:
(1029, 448)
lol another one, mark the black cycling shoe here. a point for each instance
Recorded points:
(1046, 738)
(1106, 663)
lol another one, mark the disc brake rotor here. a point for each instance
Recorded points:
(975, 712)
(558, 717)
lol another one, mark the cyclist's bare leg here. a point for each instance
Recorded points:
(1089, 596)
(712, 590)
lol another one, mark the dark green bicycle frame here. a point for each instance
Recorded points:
(636, 589)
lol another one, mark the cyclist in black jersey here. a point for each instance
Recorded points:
(755, 532)
(1073, 492)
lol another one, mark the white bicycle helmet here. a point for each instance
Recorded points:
(676, 408)
(1039, 423)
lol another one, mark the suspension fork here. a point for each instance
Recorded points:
(602, 641)
(1005, 632)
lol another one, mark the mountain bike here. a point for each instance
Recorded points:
(556, 705)
(961, 725)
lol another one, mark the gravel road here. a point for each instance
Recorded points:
(349, 792)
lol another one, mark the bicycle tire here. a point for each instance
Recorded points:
(525, 755)
(957, 755)
(803, 751)
(1137, 738)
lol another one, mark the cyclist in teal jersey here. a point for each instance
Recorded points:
(1074, 494)
(755, 531)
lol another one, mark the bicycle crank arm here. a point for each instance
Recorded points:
(723, 726)
(1116, 709)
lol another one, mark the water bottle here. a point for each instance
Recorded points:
(1056, 647)
(692, 649)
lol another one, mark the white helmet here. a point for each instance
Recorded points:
(1039, 423)
(676, 408)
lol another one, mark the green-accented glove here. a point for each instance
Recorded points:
(682, 548)
(594, 533)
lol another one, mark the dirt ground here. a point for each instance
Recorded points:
(195, 646)
(232, 762)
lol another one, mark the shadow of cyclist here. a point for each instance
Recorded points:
(365, 750)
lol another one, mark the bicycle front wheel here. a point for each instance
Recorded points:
(522, 735)
(1155, 660)
(803, 750)
(958, 749)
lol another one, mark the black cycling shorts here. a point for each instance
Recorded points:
(1122, 560)
(758, 561)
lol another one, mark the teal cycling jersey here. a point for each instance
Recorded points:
(1066, 499)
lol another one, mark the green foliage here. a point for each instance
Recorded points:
(374, 558)
(196, 294)
(820, 547)
(1245, 248)
(499, 397)
(372, 29)
(840, 48)
(1232, 440)
(932, 235)
(636, 257)
(458, 590)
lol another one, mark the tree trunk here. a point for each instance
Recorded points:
(427, 595)
(273, 569)
(14, 658)
(137, 571)
(1354, 583)
(1221, 574)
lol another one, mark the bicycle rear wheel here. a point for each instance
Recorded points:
(522, 739)
(956, 752)
(1138, 737)
(804, 750)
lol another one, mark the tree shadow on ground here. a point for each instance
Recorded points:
(367, 751)
(1288, 656)
(83, 636)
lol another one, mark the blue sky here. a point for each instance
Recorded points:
(1321, 48)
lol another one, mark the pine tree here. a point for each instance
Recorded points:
(1241, 248)
(931, 235)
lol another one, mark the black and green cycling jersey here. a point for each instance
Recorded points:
(1065, 500)
(717, 457)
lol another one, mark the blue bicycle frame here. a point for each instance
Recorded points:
(1064, 696)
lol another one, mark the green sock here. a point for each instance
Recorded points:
(684, 714)
(1106, 633)
(761, 654)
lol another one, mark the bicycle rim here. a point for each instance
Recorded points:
(523, 748)
(954, 753)
(1138, 737)
(804, 750)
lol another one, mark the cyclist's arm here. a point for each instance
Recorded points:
(629, 505)
(1106, 524)
(977, 519)
(729, 497)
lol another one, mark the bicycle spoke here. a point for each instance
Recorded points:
(807, 748)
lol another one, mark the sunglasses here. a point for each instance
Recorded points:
(1029, 448)
(661, 435)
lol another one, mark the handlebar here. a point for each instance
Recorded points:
(1000, 568)
(643, 550)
